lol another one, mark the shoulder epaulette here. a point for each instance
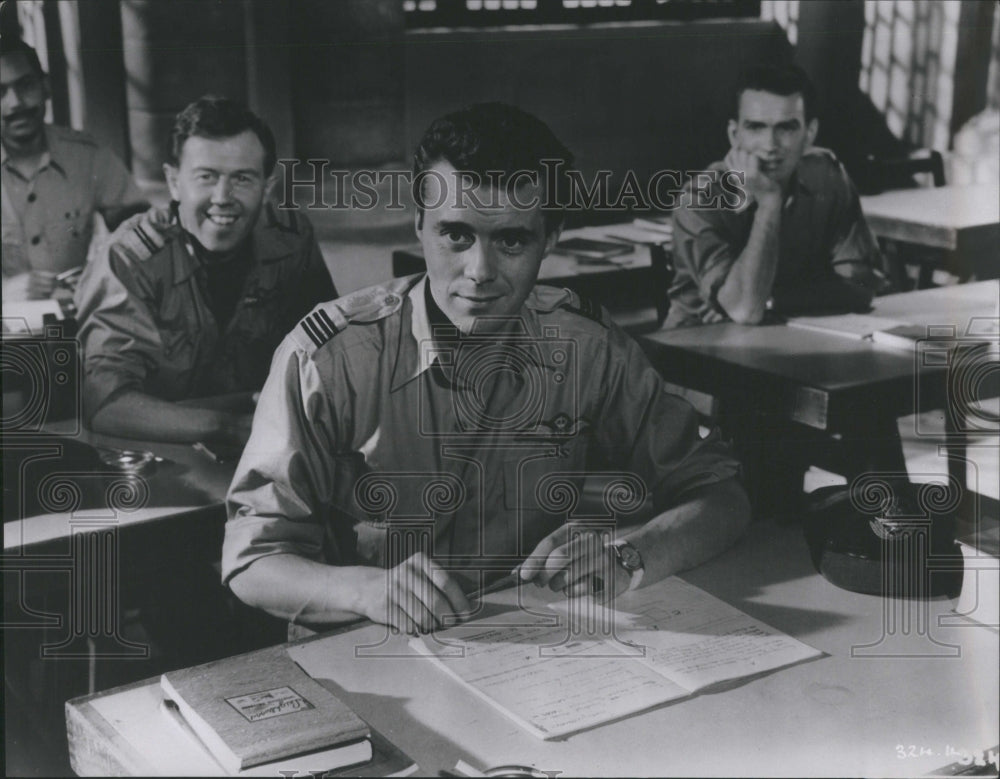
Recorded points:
(143, 235)
(546, 299)
(363, 307)
(284, 220)
(820, 151)
(587, 308)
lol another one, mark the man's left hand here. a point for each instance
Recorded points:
(574, 560)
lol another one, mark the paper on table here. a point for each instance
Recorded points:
(694, 638)
(858, 326)
(546, 681)
(25, 317)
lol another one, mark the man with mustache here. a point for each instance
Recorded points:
(189, 303)
(53, 181)
(795, 241)
(419, 435)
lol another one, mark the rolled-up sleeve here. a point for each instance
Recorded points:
(656, 432)
(284, 480)
(855, 251)
(119, 339)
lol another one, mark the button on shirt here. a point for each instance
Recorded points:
(823, 233)
(48, 218)
(146, 322)
(374, 433)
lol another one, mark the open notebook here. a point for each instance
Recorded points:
(584, 665)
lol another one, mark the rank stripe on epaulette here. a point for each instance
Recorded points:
(146, 240)
(319, 327)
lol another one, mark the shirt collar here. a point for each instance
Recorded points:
(419, 349)
(51, 157)
(416, 352)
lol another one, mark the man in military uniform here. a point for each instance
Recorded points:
(53, 180)
(798, 242)
(190, 303)
(414, 437)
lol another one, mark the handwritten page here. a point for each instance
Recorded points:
(548, 681)
(691, 637)
(597, 664)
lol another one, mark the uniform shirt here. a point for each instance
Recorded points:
(145, 319)
(48, 219)
(822, 227)
(369, 422)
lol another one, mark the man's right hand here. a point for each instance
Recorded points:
(759, 186)
(41, 284)
(416, 596)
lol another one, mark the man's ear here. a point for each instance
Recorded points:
(552, 238)
(418, 222)
(269, 184)
(170, 173)
(731, 129)
(811, 130)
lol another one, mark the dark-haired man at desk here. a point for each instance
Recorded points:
(448, 399)
(796, 242)
(53, 181)
(191, 302)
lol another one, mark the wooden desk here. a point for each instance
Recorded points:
(111, 551)
(187, 482)
(964, 220)
(883, 689)
(830, 384)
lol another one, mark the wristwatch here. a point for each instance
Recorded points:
(629, 559)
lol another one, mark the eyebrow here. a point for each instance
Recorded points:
(446, 224)
(215, 170)
(787, 123)
(515, 232)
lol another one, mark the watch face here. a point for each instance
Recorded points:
(630, 558)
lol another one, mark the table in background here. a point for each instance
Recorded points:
(963, 220)
(902, 680)
(845, 394)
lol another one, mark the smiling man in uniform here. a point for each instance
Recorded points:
(190, 303)
(413, 438)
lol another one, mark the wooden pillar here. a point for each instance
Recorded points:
(102, 74)
(829, 50)
(972, 62)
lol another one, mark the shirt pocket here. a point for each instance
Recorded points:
(548, 482)
(68, 236)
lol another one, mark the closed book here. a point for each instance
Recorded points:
(662, 223)
(589, 249)
(260, 708)
(906, 336)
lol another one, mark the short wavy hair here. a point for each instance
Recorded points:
(489, 138)
(219, 117)
(781, 80)
(11, 45)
